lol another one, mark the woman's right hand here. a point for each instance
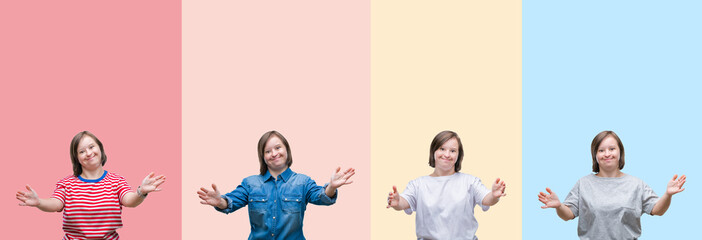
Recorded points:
(393, 198)
(28, 198)
(550, 200)
(212, 197)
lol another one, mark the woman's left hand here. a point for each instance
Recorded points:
(498, 188)
(151, 183)
(339, 178)
(675, 185)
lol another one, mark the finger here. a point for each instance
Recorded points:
(394, 189)
(337, 169)
(159, 182)
(497, 181)
(549, 191)
(30, 189)
(214, 187)
(348, 182)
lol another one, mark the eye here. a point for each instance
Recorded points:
(277, 148)
(267, 151)
(453, 151)
(600, 150)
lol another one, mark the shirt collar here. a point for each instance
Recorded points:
(285, 175)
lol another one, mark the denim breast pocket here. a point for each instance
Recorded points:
(257, 211)
(257, 203)
(292, 203)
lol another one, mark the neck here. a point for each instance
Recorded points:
(611, 174)
(276, 172)
(440, 173)
(92, 174)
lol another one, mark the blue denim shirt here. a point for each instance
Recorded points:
(276, 206)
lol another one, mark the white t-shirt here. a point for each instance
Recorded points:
(445, 205)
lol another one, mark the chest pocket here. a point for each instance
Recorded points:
(258, 203)
(292, 204)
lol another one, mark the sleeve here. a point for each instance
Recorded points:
(316, 194)
(236, 199)
(479, 191)
(122, 188)
(573, 199)
(649, 198)
(60, 191)
(410, 194)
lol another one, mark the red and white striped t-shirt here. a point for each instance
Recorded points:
(91, 207)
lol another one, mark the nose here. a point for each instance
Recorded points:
(446, 154)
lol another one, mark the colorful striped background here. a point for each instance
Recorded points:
(187, 88)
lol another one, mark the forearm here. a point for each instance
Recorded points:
(662, 205)
(50, 205)
(490, 200)
(132, 199)
(402, 205)
(330, 191)
(564, 212)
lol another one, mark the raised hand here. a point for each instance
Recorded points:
(549, 200)
(498, 188)
(393, 198)
(28, 198)
(151, 183)
(339, 178)
(211, 197)
(676, 185)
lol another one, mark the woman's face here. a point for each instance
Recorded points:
(608, 154)
(89, 154)
(445, 157)
(275, 154)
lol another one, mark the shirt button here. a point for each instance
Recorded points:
(272, 234)
(286, 199)
(275, 200)
(273, 217)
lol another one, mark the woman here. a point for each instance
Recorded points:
(444, 200)
(610, 203)
(92, 198)
(277, 197)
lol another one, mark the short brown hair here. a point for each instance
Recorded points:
(262, 145)
(77, 168)
(596, 144)
(439, 140)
